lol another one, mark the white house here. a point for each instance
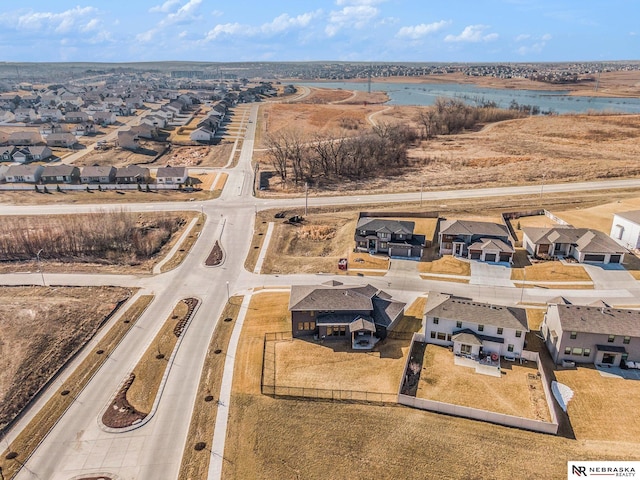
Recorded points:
(172, 175)
(474, 329)
(201, 135)
(24, 173)
(625, 229)
(104, 118)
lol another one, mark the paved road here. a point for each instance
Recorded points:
(78, 446)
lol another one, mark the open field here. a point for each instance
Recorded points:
(46, 418)
(195, 464)
(120, 157)
(563, 148)
(280, 438)
(63, 252)
(514, 393)
(31, 350)
(590, 409)
(201, 156)
(599, 217)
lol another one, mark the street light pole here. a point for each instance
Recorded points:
(228, 296)
(40, 267)
(421, 187)
(542, 187)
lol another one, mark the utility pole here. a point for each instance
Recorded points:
(542, 187)
(421, 187)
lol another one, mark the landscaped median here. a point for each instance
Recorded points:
(137, 398)
(185, 246)
(28, 440)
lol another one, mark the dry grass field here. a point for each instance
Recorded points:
(214, 156)
(552, 271)
(514, 393)
(41, 331)
(281, 438)
(599, 217)
(31, 436)
(448, 264)
(602, 409)
(535, 317)
(365, 261)
(120, 157)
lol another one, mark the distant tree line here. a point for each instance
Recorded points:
(102, 237)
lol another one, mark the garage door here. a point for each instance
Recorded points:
(614, 258)
(505, 257)
(490, 257)
(590, 257)
(475, 255)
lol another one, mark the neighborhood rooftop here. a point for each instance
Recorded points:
(633, 216)
(585, 239)
(380, 225)
(472, 227)
(610, 321)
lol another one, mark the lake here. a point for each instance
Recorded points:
(546, 101)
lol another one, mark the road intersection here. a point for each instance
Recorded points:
(78, 446)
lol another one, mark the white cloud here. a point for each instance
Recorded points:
(284, 22)
(356, 16)
(226, 29)
(61, 22)
(472, 34)
(185, 12)
(546, 37)
(90, 25)
(359, 2)
(417, 31)
(523, 37)
(217, 13)
(165, 7)
(537, 46)
(182, 16)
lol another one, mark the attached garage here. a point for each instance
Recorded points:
(475, 255)
(490, 257)
(615, 258)
(505, 257)
(593, 257)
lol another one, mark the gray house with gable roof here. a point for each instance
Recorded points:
(484, 241)
(583, 244)
(334, 310)
(392, 237)
(589, 334)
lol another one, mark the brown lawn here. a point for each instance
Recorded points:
(532, 221)
(281, 438)
(551, 271)
(334, 365)
(448, 264)
(535, 317)
(514, 393)
(366, 261)
(599, 217)
(602, 409)
(412, 320)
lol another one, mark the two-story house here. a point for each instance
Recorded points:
(332, 310)
(589, 334)
(484, 241)
(474, 329)
(392, 237)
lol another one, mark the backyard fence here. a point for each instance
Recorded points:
(154, 187)
(485, 415)
(269, 386)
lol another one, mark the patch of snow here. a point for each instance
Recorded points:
(562, 394)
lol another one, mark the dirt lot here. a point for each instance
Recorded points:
(514, 393)
(120, 157)
(204, 156)
(599, 217)
(41, 328)
(276, 438)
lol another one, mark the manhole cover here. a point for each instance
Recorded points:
(208, 398)
(199, 446)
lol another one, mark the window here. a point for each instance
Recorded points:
(626, 340)
(611, 339)
(510, 348)
(442, 336)
(577, 351)
(567, 350)
(458, 324)
(586, 352)
(448, 337)
(312, 313)
(518, 333)
(573, 335)
(499, 331)
(481, 328)
(466, 349)
(436, 320)
(433, 334)
(383, 244)
(300, 326)
(329, 330)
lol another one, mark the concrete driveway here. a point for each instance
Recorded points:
(609, 277)
(495, 274)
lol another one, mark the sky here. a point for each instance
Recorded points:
(321, 30)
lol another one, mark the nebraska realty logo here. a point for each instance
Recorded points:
(603, 469)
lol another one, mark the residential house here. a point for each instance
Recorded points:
(32, 154)
(201, 135)
(127, 139)
(392, 237)
(172, 175)
(333, 310)
(24, 173)
(156, 121)
(26, 137)
(626, 229)
(592, 334)
(210, 122)
(583, 244)
(145, 131)
(76, 117)
(98, 174)
(60, 174)
(50, 115)
(7, 116)
(104, 118)
(25, 115)
(484, 241)
(474, 329)
(6, 153)
(3, 172)
(133, 174)
(67, 140)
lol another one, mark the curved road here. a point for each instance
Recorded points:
(78, 446)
